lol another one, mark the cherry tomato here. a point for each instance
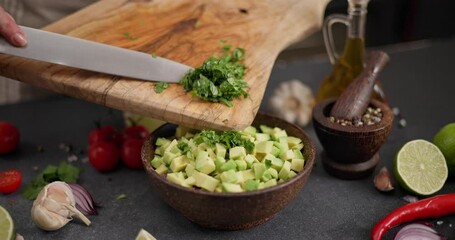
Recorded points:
(104, 156)
(136, 131)
(131, 153)
(10, 181)
(9, 137)
(104, 134)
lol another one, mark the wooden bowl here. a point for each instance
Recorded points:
(350, 152)
(230, 211)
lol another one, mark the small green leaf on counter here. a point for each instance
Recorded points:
(120, 197)
(128, 36)
(153, 55)
(64, 172)
(160, 86)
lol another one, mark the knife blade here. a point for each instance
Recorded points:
(79, 53)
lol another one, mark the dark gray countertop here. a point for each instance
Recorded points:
(419, 80)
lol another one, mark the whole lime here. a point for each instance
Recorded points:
(445, 141)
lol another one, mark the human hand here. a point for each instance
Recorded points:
(10, 31)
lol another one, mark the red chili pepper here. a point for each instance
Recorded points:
(433, 207)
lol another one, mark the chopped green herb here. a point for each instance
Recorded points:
(120, 197)
(220, 78)
(230, 139)
(183, 146)
(128, 36)
(64, 172)
(160, 86)
(153, 55)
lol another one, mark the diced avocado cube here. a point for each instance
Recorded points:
(190, 181)
(212, 154)
(298, 154)
(220, 150)
(218, 189)
(228, 165)
(275, 151)
(231, 187)
(219, 161)
(251, 185)
(159, 151)
(237, 153)
(204, 164)
(171, 145)
(297, 164)
(250, 159)
(291, 174)
(277, 133)
(156, 162)
(177, 178)
(289, 154)
(273, 161)
(264, 147)
(189, 169)
(205, 181)
(270, 183)
(259, 169)
(247, 174)
(240, 177)
(229, 176)
(178, 163)
(260, 137)
(250, 130)
(281, 181)
(293, 141)
(189, 135)
(167, 158)
(176, 150)
(261, 186)
(284, 172)
(162, 141)
(265, 129)
(162, 169)
(298, 147)
(241, 164)
(269, 174)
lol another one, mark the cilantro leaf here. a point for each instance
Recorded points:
(68, 173)
(220, 78)
(160, 86)
(128, 36)
(183, 146)
(230, 139)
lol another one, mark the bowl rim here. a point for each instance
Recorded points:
(310, 161)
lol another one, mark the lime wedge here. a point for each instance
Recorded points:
(6, 225)
(420, 167)
(144, 235)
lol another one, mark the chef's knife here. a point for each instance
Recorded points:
(93, 56)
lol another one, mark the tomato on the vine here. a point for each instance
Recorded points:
(104, 134)
(10, 181)
(136, 132)
(104, 156)
(131, 153)
(9, 137)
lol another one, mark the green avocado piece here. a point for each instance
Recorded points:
(228, 166)
(273, 161)
(167, 157)
(229, 176)
(177, 178)
(237, 153)
(190, 181)
(297, 164)
(284, 172)
(259, 169)
(204, 164)
(264, 147)
(241, 164)
(219, 161)
(162, 169)
(189, 169)
(265, 129)
(231, 187)
(260, 137)
(298, 147)
(291, 174)
(289, 154)
(220, 150)
(156, 162)
(298, 154)
(178, 163)
(205, 181)
(277, 133)
(247, 174)
(250, 159)
(251, 185)
(275, 151)
(293, 141)
(162, 141)
(250, 130)
(270, 183)
(270, 173)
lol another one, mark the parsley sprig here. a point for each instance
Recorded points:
(219, 79)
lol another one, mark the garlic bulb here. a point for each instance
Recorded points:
(55, 206)
(293, 101)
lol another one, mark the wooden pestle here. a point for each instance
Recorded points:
(354, 101)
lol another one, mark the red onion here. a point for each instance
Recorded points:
(84, 200)
(417, 231)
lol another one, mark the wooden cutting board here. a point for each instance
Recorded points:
(187, 31)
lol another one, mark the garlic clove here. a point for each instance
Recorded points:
(383, 180)
(54, 207)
